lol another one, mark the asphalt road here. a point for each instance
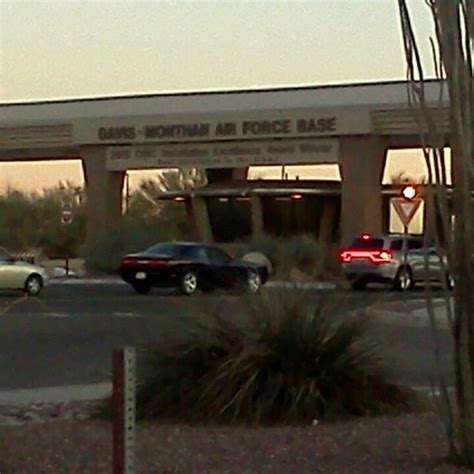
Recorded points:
(67, 335)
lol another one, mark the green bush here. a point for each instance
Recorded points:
(33, 222)
(289, 362)
(300, 251)
(267, 244)
(131, 235)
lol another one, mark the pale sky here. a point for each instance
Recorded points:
(66, 48)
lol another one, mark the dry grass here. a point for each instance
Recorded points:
(405, 444)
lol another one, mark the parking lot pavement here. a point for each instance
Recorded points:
(414, 312)
(322, 285)
(66, 337)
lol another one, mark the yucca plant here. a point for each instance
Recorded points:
(174, 373)
(300, 362)
(290, 362)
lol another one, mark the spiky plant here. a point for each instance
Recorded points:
(292, 361)
(175, 372)
(301, 361)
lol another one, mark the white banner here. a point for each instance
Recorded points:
(224, 154)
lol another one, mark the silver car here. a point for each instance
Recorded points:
(398, 260)
(19, 275)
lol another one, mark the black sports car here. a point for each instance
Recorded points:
(189, 266)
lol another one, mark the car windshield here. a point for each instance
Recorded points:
(370, 243)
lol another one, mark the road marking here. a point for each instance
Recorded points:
(53, 315)
(8, 307)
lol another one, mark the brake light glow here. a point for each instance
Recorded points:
(158, 263)
(365, 236)
(375, 256)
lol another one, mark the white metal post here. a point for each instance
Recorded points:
(124, 383)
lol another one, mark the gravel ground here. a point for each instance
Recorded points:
(405, 444)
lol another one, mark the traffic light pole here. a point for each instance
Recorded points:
(405, 246)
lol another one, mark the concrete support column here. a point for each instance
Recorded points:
(104, 194)
(256, 210)
(239, 174)
(362, 160)
(326, 223)
(200, 222)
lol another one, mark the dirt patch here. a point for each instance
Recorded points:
(404, 444)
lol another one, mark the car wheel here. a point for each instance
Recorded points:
(404, 279)
(189, 282)
(254, 281)
(33, 285)
(358, 285)
(142, 288)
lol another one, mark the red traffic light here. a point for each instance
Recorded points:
(409, 192)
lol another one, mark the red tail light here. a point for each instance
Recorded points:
(345, 256)
(375, 256)
(158, 263)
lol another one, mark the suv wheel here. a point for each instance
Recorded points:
(404, 279)
(450, 282)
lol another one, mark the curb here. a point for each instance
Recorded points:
(301, 286)
(86, 281)
(58, 394)
(92, 392)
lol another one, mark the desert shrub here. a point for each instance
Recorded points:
(131, 235)
(289, 362)
(175, 373)
(32, 221)
(302, 252)
(267, 244)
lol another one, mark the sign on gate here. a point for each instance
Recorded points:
(406, 209)
(224, 154)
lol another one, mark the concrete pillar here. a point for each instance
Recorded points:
(104, 194)
(239, 174)
(200, 222)
(256, 210)
(362, 160)
(326, 223)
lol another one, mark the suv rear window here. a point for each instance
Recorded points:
(415, 244)
(373, 244)
(396, 244)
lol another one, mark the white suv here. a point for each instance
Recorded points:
(398, 260)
